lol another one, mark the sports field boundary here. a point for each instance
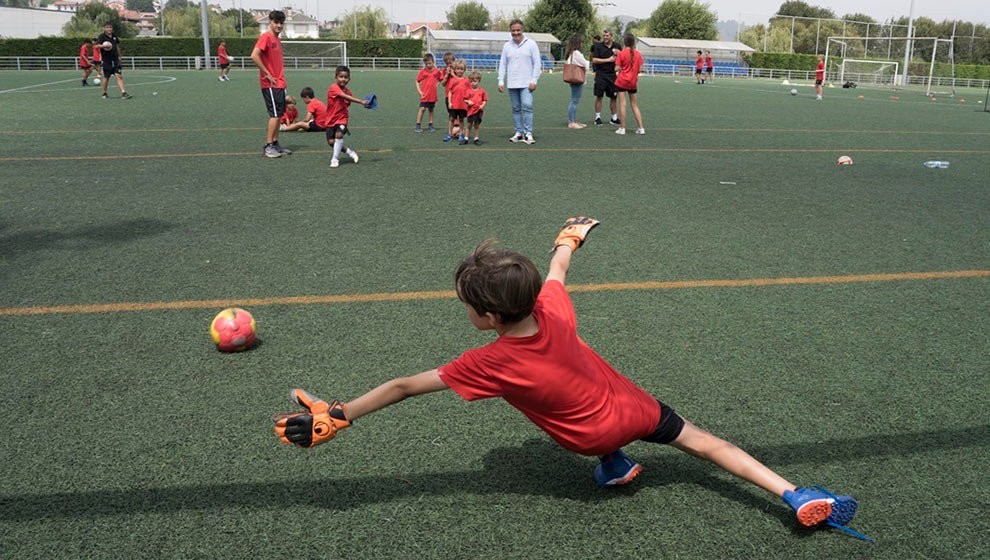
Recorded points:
(450, 294)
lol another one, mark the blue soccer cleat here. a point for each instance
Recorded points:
(843, 510)
(616, 469)
(810, 507)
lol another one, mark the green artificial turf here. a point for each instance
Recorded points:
(127, 435)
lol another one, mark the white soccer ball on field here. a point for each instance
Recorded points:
(845, 160)
(794, 92)
(97, 81)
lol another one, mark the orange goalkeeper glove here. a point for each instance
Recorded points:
(575, 232)
(319, 425)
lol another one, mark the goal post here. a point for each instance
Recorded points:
(928, 56)
(314, 54)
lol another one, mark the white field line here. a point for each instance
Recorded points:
(26, 89)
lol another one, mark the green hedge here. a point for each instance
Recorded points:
(795, 61)
(193, 46)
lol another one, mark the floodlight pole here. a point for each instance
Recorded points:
(240, 14)
(206, 33)
(907, 45)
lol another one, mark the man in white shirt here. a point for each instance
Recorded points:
(519, 69)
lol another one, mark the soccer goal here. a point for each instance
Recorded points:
(874, 61)
(314, 54)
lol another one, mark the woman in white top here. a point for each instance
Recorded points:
(574, 56)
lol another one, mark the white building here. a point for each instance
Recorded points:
(297, 26)
(31, 23)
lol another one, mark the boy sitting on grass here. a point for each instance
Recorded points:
(316, 113)
(540, 366)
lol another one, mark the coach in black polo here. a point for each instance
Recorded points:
(110, 44)
(603, 58)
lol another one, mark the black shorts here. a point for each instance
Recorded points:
(818, 82)
(224, 65)
(274, 101)
(697, 70)
(604, 85)
(332, 131)
(476, 118)
(313, 127)
(624, 90)
(428, 104)
(458, 113)
(709, 70)
(111, 69)
(668, 429)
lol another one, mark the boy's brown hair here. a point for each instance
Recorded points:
(474, 76)
(498, 281)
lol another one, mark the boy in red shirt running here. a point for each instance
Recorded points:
(475, 98)
(426, 85)
(338, 99)
(224, 60)
(627, 63)
(316, 113)
(540, 366)
(84, 61)
(267, 56)
(709, 65)
(819, 76)
(698, 65)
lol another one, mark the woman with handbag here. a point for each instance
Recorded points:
(575, 69)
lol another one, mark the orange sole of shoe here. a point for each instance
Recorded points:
(813, 513)
(633, 474)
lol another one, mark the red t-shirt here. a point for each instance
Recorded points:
(319, 111)
(271, 56)
(700, 62)
(630, 61)
(446, 76)
(222, 55)
(428, 84)
(477, 97)
(336, 106)
(84, 55)
(709, 62)
(97, 54)
(458, 88)
(558, 382)
(820, 71)
(290, 115)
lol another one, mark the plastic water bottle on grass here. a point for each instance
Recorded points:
(937, 164)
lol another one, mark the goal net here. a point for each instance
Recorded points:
(878, 61)
(314, 54)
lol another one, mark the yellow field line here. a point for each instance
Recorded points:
(668, 129)
(449, 294)
(523, 150)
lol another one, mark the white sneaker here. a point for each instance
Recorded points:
(354, 156)
(620, 130)
(640, 131)
(529, 138)
(334, 163)
(517, 137)
(819, 98)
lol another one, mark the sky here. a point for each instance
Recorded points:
(748, 11)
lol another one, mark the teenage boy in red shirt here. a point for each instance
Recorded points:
(338, 99)
(224, 59)
(316, 113)
(709, 65)
(698, 65)
(540, 366)
(426, 85)
(819, 76)
(267, 56)
(84, 61)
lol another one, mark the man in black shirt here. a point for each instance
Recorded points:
(110, 44)
(603, 59)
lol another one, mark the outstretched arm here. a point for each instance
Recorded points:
(559, 264)
(393, 391)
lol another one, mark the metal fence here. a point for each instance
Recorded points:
(391, 63)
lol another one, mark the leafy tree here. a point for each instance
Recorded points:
(562, 18)
(803, 9)
(89, 19)
(187, 22)
(470, 15)
(500, 21)
(370, 23)
(250, 25)
(176, 4)
(141, 5)
(683, 19)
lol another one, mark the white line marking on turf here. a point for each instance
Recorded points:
(163, 80)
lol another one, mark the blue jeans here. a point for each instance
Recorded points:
(576, 90)
(522, 109)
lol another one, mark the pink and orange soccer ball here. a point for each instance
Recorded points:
(845, 160)
(233, 330)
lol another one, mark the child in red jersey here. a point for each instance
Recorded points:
(84, 62)
(291, 113)
(709, 65)
(316, 113)
(223, 59)
(456, 91)
(267, 56)
(627, 63)
(698, 65)
(97, 58)
(819, 76)
(445, 77)
(426, 86)
(540, 366)
(338, 99)
(475, 98)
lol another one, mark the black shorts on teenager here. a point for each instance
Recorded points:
(458, 113)
(624, 90)
(313, 127)
(225, 66)
(604, 85)
(697, 70)
(668, 429)
(111, 69)
(428, 104)
(274, 101)
(818, 82)
(332, 131)
(475, 118)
